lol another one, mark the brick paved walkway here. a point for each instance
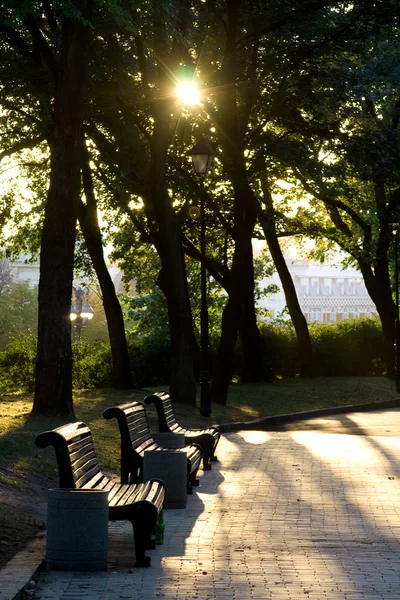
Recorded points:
(284, 515)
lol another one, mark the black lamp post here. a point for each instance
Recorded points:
(396, 321)
(202, 155)
(81, 312)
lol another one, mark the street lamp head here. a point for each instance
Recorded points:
(73, 313)
(194, 212)
(87, 311)
(202, 155)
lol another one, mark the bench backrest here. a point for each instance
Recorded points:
(165, 411)
(75, 453)
(133, 426)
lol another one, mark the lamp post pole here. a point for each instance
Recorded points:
(78, 321)
(202, 155)
(396, 291)
(397, 323)
(205, 399)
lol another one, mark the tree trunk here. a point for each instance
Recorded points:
(164, 226)
(223, 367)
(112, 308)
(241, 288)
(241, 295)
(267, 220)
(115, 322)
(53, 391)
(252, 368)
(166, 233)
(378, 286)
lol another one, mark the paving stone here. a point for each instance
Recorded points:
(284, 515)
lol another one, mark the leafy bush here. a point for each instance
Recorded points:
(150, 359)
(279, 350)
(350, 347)
(92, 366)
(17, 364)
(18, 311)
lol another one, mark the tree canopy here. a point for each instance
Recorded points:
(305, 93)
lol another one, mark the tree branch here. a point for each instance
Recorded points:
(41, 45)
(22, 145)
(298, 15)
(51, 19)
(16, 41)
(218, 272)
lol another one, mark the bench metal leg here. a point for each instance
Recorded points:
(143, 527)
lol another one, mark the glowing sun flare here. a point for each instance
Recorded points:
(188, 93)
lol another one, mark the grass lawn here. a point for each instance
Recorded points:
(27, 472)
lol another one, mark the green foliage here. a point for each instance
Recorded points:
(350, 347)
(145, 315)
(17, 364)
(18, 311)
(150, 358)
(279, 349)
(92, 367)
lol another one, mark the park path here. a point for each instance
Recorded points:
(310, 512)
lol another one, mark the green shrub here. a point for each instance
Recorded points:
(279, 349)
(18, 312)
(17, 364)
(150, 359)
(92, 365)
(349, 347)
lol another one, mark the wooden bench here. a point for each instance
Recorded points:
(78, 469)
(136, 439)
(207, 438)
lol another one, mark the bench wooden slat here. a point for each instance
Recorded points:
(86, 472)
(118, 492)
(95, 481)
(207, 438)
(78, 468)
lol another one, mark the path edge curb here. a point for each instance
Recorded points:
(273, 422)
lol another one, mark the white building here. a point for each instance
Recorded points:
(23, 271)
(326, 292)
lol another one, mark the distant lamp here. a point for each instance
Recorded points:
(81, 312)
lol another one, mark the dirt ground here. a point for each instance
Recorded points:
(23, 506)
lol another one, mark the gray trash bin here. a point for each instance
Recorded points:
(77, 530)
(171, 467)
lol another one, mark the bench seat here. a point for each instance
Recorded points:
(207, 438)
(78, 468)
(136, 438)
